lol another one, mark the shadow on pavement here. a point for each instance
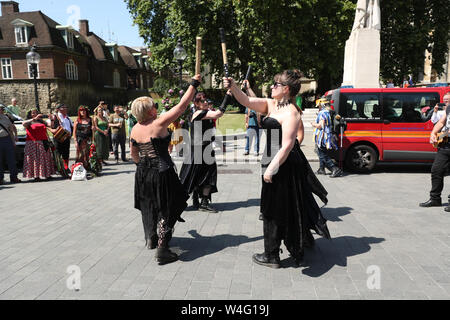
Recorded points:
(333, 214)
(228, 206)
(200, 246)
(116, 172)
(329, 253)
(397, 168)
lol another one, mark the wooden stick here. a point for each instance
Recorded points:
(198, 56)
(224, 51)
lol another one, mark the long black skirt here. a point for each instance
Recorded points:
(197, 176)
(290, 203)
(159, 194)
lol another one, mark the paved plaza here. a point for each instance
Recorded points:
(384, 246)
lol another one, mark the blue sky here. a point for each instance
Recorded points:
(109, 19)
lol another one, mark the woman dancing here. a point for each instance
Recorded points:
(287, 203)
(158, 193)
(199, 174)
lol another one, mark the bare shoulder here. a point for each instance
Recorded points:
(293, 113)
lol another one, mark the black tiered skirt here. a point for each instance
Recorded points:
(196, 176)
(159, 192)
(289, 201)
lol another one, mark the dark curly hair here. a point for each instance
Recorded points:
(292, 79)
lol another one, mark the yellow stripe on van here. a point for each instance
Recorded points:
(388, 134)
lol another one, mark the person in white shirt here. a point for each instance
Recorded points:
(61, 118)
(438, 114)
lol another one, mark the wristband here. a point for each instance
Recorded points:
(195, 83)
(223, 106)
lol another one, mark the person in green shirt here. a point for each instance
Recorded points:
(13, 107)
(118, 132)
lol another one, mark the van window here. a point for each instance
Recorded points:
(360, 105)
(406, 106)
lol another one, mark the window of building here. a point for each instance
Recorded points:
(30, 71)
(71, 70)
(116, 79)
(68, 35)
(141, 82)
(21, 34)
(6, 68)
(70, 40)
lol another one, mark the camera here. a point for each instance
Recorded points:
(441, 106)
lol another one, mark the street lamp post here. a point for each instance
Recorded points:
(33, 58)
(180, 55)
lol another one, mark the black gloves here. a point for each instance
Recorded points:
(225, 102)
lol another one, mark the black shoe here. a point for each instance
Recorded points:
(263, 260)
(15, 180)
(261, 217)
(447, 208)
(165, 256)
(204, 206)
(431, 203)
(337, 172)
(246, 153)
(151, 244)
(321, 171)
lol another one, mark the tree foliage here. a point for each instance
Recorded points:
(273, 35)
(409, 27)
(270, 35)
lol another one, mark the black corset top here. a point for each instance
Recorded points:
(155, 153)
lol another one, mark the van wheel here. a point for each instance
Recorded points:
(361, 159)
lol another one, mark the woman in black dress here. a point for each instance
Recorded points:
(158, 192)
(287, 203)
(198, 173)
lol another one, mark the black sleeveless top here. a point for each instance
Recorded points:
(274, 137)
(84, 131)
(198, 129)
(155, 153)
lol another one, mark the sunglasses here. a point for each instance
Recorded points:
(277, 84)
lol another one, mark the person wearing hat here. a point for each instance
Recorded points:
(61, 119)
(324, 140)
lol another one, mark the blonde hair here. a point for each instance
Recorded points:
(140, 108)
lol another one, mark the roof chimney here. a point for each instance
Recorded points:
(9, 7)
(84, 27)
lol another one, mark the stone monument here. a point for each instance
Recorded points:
(362, 49)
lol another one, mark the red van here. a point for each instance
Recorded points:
(385, 124)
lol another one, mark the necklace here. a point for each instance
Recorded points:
(283, 103)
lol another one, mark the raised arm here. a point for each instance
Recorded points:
(173, 114)
(219, 113)
(257, 104)
(248, 88)
(437, 128)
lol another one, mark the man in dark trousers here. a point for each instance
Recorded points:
(8, 138)
(441, 161)
(61, 119)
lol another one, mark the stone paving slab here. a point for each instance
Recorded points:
(375, 223)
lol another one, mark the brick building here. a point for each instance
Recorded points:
(77, 67)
